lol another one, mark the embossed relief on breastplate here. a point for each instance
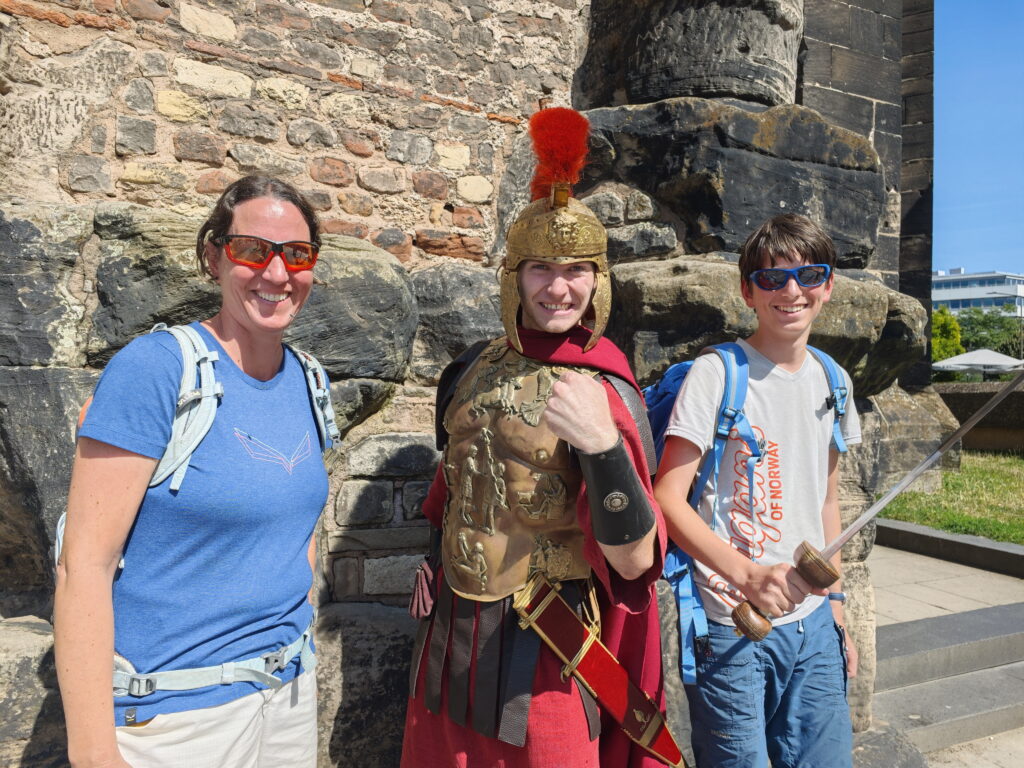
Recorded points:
(512, 485)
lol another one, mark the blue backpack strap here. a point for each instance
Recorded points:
(198, 395)
(679, 567)
(838, 395)
(319, 397)
(730, 417)
(693, 620)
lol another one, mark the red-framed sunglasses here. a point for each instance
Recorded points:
(256, 252)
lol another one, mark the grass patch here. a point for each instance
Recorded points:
(985, 498)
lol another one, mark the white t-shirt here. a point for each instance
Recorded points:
(789, 412)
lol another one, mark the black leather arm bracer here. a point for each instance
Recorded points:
(620, 511)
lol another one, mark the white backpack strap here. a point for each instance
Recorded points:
(259, 669)
(320, 397)
(196, 405)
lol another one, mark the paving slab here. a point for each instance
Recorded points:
(917, 651)
(910, 587)
(1003, 750)
(954, 710)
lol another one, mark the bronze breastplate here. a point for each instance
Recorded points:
(512, 486)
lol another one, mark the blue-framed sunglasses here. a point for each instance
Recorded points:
(806, 276)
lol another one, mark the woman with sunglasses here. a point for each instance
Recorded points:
(781, 700)
(211, 578)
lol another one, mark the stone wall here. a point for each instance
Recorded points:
(122, 120)
(917, 92)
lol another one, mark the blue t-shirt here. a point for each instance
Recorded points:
(218, 571)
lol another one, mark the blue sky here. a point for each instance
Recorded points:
(979, 135)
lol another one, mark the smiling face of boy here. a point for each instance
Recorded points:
(786, 315)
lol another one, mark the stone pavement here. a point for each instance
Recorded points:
(910, 586)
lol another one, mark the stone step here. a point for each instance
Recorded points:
(953, 710)
(915, 652)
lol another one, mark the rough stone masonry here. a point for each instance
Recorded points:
(121, 121)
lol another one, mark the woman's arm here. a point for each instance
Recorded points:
(107, 487)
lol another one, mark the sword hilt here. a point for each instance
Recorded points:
(816, 570)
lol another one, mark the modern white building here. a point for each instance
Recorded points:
(957, 290)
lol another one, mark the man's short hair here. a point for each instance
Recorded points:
(780, 238)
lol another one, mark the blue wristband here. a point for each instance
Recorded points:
(839, 597)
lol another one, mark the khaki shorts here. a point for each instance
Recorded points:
(266, 729)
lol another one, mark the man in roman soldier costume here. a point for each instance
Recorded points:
(539, 643)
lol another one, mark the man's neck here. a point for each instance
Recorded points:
(788, 354)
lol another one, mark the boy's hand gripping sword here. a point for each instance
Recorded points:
(816, 567)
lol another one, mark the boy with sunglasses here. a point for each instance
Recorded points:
(783, 699)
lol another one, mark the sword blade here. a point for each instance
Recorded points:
(917, 471)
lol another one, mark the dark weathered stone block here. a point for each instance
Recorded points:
(354, 400)
(360, 322)
(827, 20)
(304, 132)
(38, 411)
(889, 152)
(32, 728)
(747, 50)
(135, 136)
(700, 159)
(138, 96)
(842, 109)
(365, 502)
(815, 65)
(867, 34)
(242, 119)
(146, 275)
(201, 147)
(864, 75)
(458, 306)
(89, 174)
(39, 320)
(393, 455)
(363, 652)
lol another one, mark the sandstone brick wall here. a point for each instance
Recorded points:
(394, 117)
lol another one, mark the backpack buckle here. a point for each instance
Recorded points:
(275, 661)
(762, 443)
(141, 685)
(832, 401)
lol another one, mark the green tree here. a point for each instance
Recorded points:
(992, 329)
(945, 335)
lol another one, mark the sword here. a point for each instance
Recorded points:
(815, 567)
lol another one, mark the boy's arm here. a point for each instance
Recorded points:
(774, 590)
(832, 526)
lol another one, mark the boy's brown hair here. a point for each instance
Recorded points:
(782, 236)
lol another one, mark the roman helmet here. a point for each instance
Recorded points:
(557, 227)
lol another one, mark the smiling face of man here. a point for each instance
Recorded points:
(555, 297)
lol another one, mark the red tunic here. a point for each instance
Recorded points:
(556, 727)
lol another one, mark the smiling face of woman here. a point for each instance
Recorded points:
(555, 297)
(266, 299)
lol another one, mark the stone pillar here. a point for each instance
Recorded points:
(715, 48)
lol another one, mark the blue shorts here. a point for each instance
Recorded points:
(781, 700)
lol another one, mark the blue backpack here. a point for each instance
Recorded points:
(661, 398)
